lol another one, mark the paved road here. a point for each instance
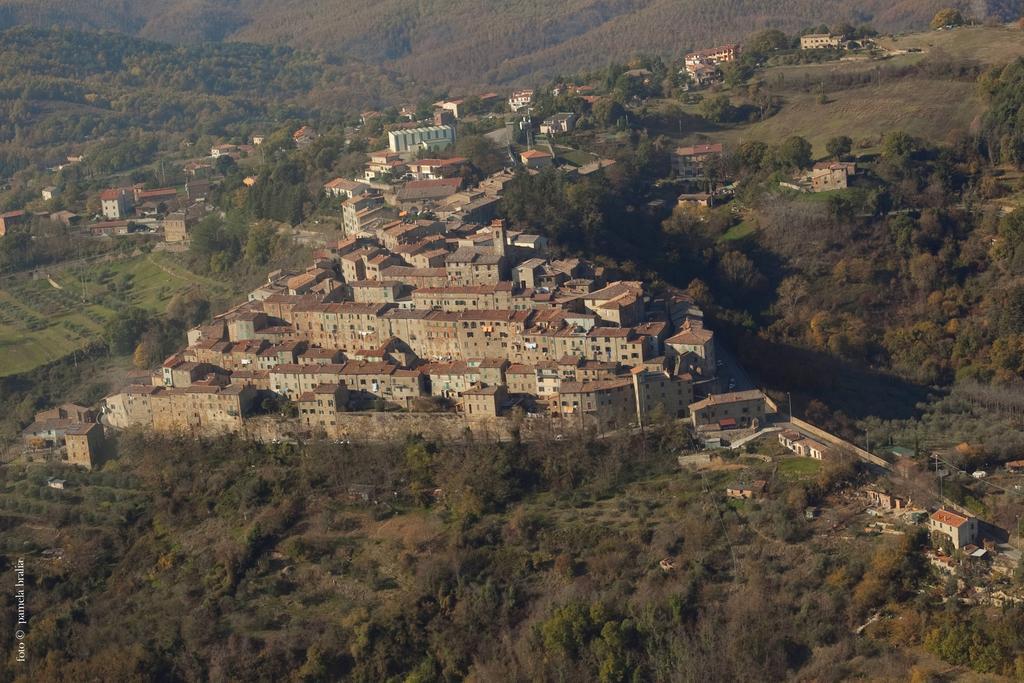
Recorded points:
(730, 369)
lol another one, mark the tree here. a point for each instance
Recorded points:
(839, 146)
(260, 243)
(718, 109)
(481, 152)
(947, 17)
(763, 42)
(793, 153)
(125, 330)
(190, 307)
(752, 155)
(608, 111)
(899, 147)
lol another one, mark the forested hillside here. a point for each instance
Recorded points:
(467, 41)
(63, 89)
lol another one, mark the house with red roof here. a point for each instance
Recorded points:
(536, 159)
(691, 161)
(115, 203)
(961, 529)
(10, 219)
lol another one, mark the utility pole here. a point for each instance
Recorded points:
(790, 397)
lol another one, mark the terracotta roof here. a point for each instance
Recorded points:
(953, 519)
(592, 387)
(694, 150)
(691, 335)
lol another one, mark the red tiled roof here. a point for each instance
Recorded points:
(949, 517)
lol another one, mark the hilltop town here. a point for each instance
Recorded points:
(707, 364)
(429, 315)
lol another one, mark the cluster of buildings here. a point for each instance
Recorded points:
(422, 314)
(824, 176)
(702, 65)
(69, 431)
(696, 164)
(127, 209)
(392, 186)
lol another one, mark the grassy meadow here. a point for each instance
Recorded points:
(42, 320)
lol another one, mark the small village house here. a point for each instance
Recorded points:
(520, 99)
(819, 41)
(536, 159)
(960, 529)
(736, 409)
(754, 489)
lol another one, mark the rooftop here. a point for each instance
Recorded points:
(953, 519)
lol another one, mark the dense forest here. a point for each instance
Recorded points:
(447, 42)
(327, 562)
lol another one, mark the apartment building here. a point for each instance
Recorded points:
(692, 161)
(431, 138)
(464, 298)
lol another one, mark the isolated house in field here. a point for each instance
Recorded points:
(223, 150)
(819, 41)
(696, 200)
(713, 55)
(832, 175)
(754, 489)
(960, 529)
(304, 136)
(809, 448)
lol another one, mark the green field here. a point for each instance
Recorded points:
(40, 323)
(937, 110)
(794, 469)
(739, 231)
(983, 44)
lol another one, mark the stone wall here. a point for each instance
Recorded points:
(378, 426)
(836, 441)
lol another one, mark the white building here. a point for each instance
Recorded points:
(115, 203)
(559, 123)
(424, 137)
(520, 99)
(817, 41)
(960, 529)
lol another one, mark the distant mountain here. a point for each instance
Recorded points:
(480, 41)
